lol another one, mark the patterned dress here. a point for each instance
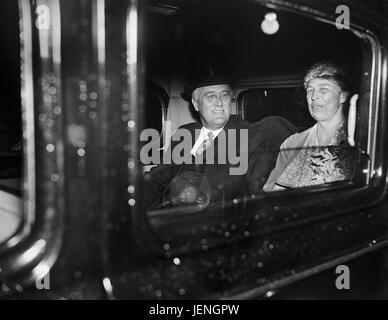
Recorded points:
(315, 165)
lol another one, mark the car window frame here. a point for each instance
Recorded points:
(145, 237)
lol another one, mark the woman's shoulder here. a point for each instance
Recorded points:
(296, 139)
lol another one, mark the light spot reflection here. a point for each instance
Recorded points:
(93, 104)
(92, 115)
(131, 164)
(82, 108)
(54, 177)
(182, 291)
(50, 147)
(269, 294)
(42, 117)
(83, 96)
(93, 95)
(81, 152)
(57, 110)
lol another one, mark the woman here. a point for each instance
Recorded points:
(316, 156)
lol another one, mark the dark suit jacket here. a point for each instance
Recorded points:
(264, 139)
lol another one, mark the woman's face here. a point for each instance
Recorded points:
(324, 99)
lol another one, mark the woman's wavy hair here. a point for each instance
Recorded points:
(330, 71)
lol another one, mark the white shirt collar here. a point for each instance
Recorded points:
(203, 136)
(205, 131)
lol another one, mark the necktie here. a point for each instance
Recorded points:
(205, 143)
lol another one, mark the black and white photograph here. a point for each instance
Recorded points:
(193, 154)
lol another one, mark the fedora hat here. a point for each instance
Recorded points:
(204, 81)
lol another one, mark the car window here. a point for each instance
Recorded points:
(269, 81)
(275, 104)
(189, 209)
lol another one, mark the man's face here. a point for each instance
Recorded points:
(325, 99)
(213, 104)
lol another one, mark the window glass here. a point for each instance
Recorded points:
(200, 219)
(270, 94)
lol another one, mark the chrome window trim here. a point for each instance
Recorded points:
(99, 44)
(28, 118)
(374, 100)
